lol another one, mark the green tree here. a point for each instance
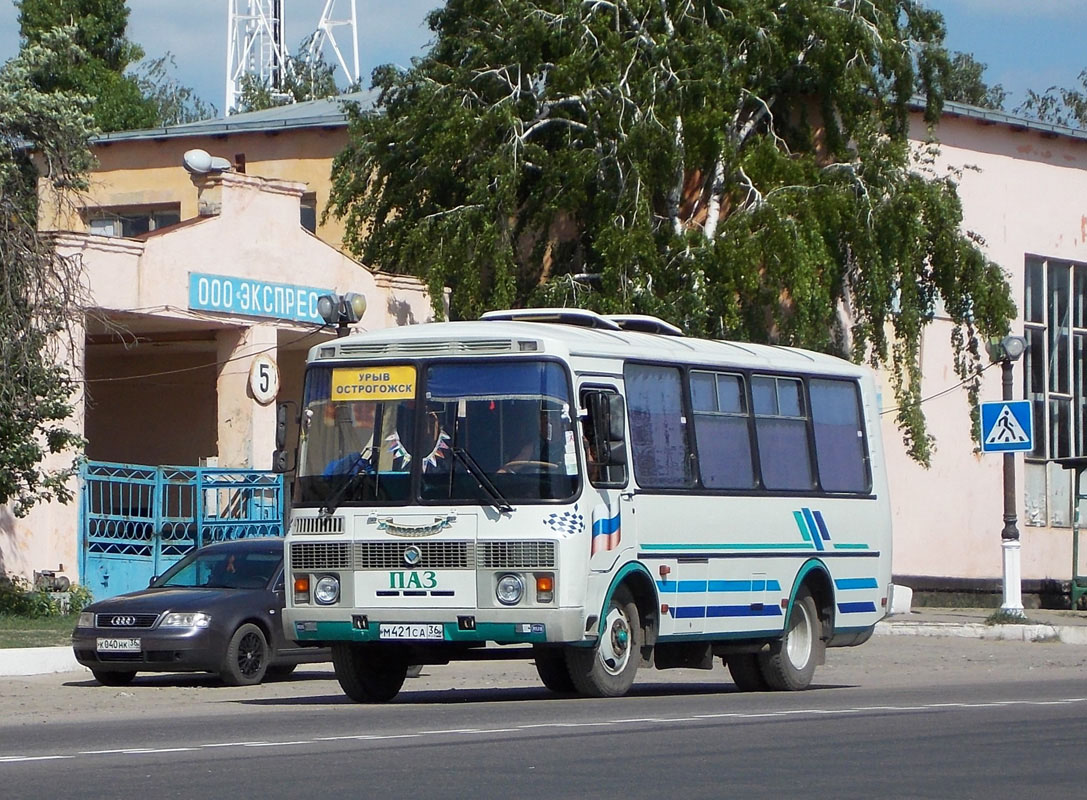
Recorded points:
(740, 168)
(42, 132)
(174, 102)
(964, 83)
(1058, 106)
(119, 103)
(303, 79)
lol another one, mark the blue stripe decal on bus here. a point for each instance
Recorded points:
(673, 587)
(856, 608)
(822, 526)
(811, 527)
(701, 612)
(856, 583)
(805, 534)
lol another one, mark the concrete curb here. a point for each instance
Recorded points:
(17, 661)
(1065, 634)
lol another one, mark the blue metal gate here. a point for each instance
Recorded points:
(137, 520)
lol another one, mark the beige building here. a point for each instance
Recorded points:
(1022, 185)
(202, 293)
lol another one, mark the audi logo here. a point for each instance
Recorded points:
(121, 622)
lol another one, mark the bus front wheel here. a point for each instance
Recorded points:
(369, 674)
(790, 663)
(608, 669)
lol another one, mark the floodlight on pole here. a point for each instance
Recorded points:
(341, 310)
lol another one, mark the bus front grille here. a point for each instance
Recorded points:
(321, 555)
(515, 555)
(431, 555)
(321, 524)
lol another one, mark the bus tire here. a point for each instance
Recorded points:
(790, 663)
(747, 672)
(368, 674)
(552, 668)
(608, 668)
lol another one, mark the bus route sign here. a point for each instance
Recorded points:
(373, 383)
(1006, 427)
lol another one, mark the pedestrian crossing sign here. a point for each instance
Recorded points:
(1006, 427)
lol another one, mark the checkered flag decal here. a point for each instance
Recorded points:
(567, 523)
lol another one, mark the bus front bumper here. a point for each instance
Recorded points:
(460, 626)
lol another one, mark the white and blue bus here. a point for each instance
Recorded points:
(596, 493)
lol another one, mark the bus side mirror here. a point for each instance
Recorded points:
(280, 461)
(606, 413)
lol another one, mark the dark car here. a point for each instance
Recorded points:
(217, 610)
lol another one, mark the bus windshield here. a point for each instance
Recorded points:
(474, 433)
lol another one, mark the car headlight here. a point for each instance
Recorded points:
(191, 619)
(327, 590)
(510, 590)
(86, 619)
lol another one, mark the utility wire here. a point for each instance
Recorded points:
(942, 392)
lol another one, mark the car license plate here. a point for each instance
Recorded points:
(118, 645)
(412, 630)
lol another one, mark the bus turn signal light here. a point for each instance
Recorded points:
(545, 588)
(301, 589)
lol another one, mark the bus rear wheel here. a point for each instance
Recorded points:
(369, 674)
(608, 669)
(790, 663)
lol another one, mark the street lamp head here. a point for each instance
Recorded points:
(1008, 349)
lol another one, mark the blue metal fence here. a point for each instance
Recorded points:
(137, 520)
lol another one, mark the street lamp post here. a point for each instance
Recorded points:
(1006, 352)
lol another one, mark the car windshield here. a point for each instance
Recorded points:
(223, 568)
(481, 433)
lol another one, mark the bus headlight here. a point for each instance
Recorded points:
(327, 590)
(509, 590)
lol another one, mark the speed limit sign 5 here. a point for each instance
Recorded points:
(264, 379)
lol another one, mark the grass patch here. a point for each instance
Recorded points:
(18, 631)
(1002, 617)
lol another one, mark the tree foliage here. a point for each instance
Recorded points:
(174, 102)
(39, 291)
(964, 83)
(304, 78)
(1058, 106)
(99, 25)
(739, 167)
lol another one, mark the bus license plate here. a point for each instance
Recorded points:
(413, 630)
(118, 645)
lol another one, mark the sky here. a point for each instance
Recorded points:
(1026, 44)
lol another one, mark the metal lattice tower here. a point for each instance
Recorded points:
(257, 43)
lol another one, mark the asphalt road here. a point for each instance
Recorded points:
(898, 717)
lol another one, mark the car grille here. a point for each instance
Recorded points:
(515, 555)
(434, 555)
(125, 621)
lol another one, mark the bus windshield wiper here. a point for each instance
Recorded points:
(493, 494)
(359, 467)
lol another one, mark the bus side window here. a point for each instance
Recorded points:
(604, 434)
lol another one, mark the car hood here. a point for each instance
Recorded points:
(153, 601)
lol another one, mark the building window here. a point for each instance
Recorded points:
(1055, 377)
(131, 221)
(309, 212)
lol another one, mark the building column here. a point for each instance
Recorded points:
(246, 424)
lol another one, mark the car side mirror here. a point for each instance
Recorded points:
(280, 456)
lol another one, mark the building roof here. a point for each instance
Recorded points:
(326, 113)
(329, 113)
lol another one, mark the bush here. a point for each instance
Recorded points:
(18, 598)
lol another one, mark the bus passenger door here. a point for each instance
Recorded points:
(606, 495)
